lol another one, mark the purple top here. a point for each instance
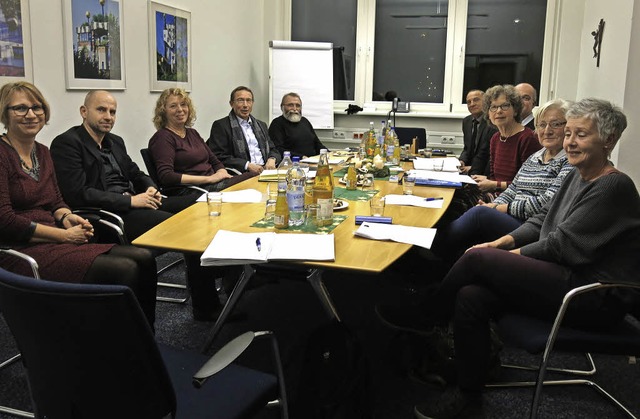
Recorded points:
(175, 156)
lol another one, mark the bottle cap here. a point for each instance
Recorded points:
(296, 159)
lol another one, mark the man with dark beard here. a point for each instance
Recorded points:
(293, 132)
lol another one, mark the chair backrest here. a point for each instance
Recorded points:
(88, 349)
(149, 164)
(406, 136)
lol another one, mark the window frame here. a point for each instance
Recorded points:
(454, 61)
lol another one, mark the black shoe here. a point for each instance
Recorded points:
(408, 318)
(453, 403)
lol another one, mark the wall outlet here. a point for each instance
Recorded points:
(339, 134)
(445, 139)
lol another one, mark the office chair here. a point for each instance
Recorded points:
(406, 136)
(36, 274)
(114, 232)
(537, 336)
(89, 352)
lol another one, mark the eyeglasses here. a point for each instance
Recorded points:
(552, 124)
(292, 105)
(241, 101)
(23, 110)
(505, 107)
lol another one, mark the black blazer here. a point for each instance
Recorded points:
(476, 157)
(233, 151)
(80, 171)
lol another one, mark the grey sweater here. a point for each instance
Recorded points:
(591, 227)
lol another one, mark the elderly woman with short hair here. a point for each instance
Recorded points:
(590, 231)
(512, 145)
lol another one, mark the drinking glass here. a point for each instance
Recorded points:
(270, 209)
(408, 182)
(377, 205)
(368, 183)
(214, 203)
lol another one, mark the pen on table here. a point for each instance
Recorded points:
(434, 199)
(258, 244)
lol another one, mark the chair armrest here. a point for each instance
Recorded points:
(107, 218)
(225, 356)
(31, 261)
(233, 171)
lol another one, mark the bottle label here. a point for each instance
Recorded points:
(325, 209)
(295, 199)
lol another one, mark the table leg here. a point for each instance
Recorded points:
(315, 279)
(235, 295)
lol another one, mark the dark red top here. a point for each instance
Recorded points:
(507, 156)
(175, 156)
(24, 200)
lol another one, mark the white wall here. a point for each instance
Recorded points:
(229, 48)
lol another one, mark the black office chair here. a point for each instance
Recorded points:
(89, 352)
(112, 231)
(7, 250)
(537, 336)
(153, 173)
(406, 136)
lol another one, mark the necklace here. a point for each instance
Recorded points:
(504, 139)
(178, 133)
(34, 170)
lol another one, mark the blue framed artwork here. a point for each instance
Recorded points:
(15, 41)
(94, 50)
(170, 47)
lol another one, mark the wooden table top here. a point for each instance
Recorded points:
(193, 229)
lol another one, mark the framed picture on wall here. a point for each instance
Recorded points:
(169, 47)
(15, 41)
(93, 46)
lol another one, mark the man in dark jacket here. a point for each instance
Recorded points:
(94, 170)
(477, 133)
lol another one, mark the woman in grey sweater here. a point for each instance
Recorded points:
(589, 231)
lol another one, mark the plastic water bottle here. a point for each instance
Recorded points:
(283, 167)
(296, 180)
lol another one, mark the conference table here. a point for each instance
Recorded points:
(192, 230)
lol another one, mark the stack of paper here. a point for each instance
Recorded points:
(332, 160)
(418, 236)
(233, 248)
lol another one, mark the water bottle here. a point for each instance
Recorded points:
(295, 180)
(283, 167)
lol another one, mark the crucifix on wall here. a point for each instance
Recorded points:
(597, 41)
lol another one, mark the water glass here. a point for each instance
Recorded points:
(312, 215)
(368, 182)
(408, 182)
(270, 209)
(438, 165)
(214, 203)
(377, 205)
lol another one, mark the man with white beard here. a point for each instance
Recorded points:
(293, 132)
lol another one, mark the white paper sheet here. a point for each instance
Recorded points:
(419, 236)
(242, 196)
(412, 200)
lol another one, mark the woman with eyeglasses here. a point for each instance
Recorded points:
(511, 145)
(534, 185)
(36, 221)
(179, 152)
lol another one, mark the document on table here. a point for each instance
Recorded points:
(450, 164)
(332, 160)
(444, 176)
(234, 248)
(419, 236)
(242, 196)
(271, 175)
(413, 200)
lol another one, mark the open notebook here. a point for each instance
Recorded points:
(233, 248)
